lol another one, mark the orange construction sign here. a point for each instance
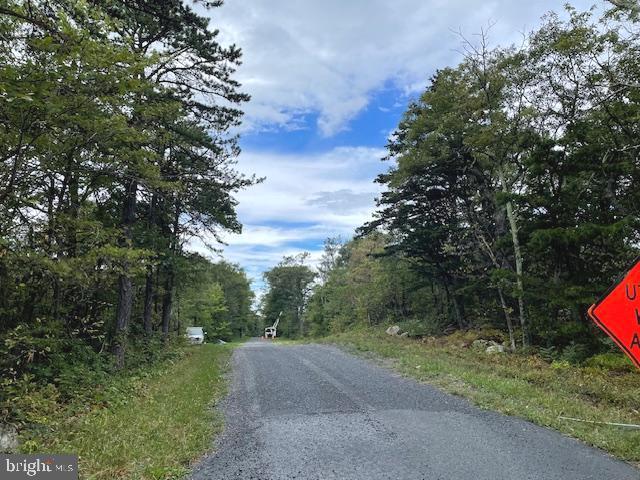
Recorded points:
(618, 313)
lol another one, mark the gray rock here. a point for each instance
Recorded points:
(393, 330)
(8, 439)
(405, 334)
(495, 349)
(480, 344)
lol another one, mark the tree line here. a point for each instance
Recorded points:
(218, 297)
(512, 199)
(117, 145)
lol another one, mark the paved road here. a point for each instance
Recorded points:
(315, 412)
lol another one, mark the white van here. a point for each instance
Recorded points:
(195, 335)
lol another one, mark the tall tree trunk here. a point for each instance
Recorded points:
(123, 314)
(517, 252)
(125, 284)
(507, 316)
(178, 323)
(453, 301)
(74, 213)
(147, 319)
(301, 317)
(456, 310)
(503, 303)
(167, 299)
(519, 282)
(167, 303)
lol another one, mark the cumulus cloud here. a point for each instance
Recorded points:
(329, 56)
(343, 200)
(315, 65)
(297, 187)
(304, 199)
(256, 258)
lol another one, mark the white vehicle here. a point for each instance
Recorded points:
(271, 332)
(195, 335)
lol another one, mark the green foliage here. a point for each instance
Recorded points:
(45, 373)
(575, 353)
(206, 306)
(549, 354)
(614, 362)
(114, 151)
(220, 329)
(162, 415)
(216, 296)
(512, 200)
(364, 288)
(417, 328)
(289, 284)
(207, 311)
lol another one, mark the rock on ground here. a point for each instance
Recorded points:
(495, 349)
(8, 439)
(393, 330)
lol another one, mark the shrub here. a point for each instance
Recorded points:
(44, 369)
(416, 328)
(548, 354)
(610, 361)
(576, 353)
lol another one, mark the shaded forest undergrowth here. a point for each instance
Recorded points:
(149, 423)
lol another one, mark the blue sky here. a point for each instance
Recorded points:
(329, 82)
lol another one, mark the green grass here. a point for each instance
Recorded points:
(158, 432)
(521, 385)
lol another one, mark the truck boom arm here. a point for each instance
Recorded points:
(275, 324)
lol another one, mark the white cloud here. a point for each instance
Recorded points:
(256, 258)
(329, 56)
(303, 200)
(296, 184)
(325, 60)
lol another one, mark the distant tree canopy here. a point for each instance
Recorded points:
(116, 147)
(288, 288)
(513, 196)
(363, 287)
(216, 296)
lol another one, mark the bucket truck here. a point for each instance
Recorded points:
(270, 332)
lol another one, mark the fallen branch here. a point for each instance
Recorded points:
(626, 425)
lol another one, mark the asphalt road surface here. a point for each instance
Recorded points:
(315, 412)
